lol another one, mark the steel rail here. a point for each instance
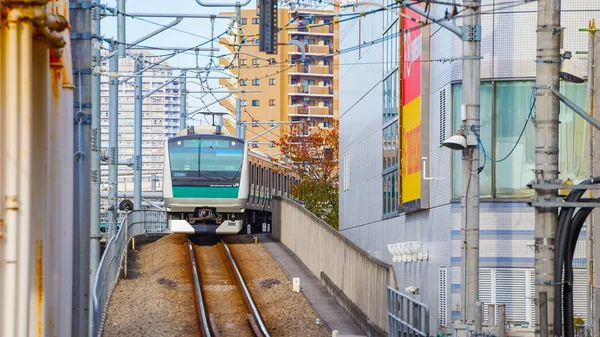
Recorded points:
(255, 320)
(203, 324)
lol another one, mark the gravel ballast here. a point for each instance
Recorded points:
(286, 313)
(157, 299)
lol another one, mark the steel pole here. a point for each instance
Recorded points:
(546, 154)
(121, 28)
(471, 79)
(113, 141)
(238, 117)
(137, 151)
(183, 106)
(95, 162)
(594, 250)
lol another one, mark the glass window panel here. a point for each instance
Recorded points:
(573, 146)
(513, 101)
(485, 132)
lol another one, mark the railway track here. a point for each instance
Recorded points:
(223, 303)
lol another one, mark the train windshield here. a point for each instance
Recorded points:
(205, 159)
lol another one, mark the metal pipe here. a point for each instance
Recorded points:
(479, 316)
(25, 176)
(180, 15)
(133, 44)
(137, 154)
(121, 28)
(159, 87)
(113, 141)
(594, 122)
(172, 48)
(546, 152)
(416, 7)
(96, 142)
(183, 103)
(222, 4)
(220, 92)
(11, 186)
(471, 79)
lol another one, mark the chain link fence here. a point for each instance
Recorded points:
(135, 223)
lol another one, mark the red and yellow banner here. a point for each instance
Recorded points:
(410, 113)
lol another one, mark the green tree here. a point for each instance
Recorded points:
(311, 154)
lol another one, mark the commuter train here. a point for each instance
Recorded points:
(214, 184)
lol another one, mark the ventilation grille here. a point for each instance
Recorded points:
(442, 116)
(346, 171)
(443, 300)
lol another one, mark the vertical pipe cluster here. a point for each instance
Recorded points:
(471, 80)
(35, 272)
(113, 141)
(137, 154)
(546, 154)
(238, 118)
(183, 106)
(96, 146)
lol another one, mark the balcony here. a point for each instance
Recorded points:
(300, 28)
(312, 70)
(312, 90)
(315, 49)
(310, 110)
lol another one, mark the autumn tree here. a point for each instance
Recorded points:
(311, 153)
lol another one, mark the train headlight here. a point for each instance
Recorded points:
(232, 143)
(179, 143)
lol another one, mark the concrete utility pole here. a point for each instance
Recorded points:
(546, 153)
(137, 154)
(471, 80)
(80, 21)
(113, 134)
(238, 118)
(96, 140)
(183, 105)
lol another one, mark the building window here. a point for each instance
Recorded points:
(243, 83)
(390, 96)
(243, 102)
(255, 62)
(271, 81)
(243, 62)
(255, 82)
(390, 170)
(272, 60)
(243, 21)
(327, 42)
(271, 102)
(505, 108)
(255, 102)
(255, 21)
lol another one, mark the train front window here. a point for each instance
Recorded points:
(206, 159)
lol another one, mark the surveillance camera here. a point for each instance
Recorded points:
(412, 290)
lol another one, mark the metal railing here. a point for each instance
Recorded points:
(407, 317)
(135, 223)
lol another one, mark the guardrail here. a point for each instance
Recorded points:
(114, 258)
(407, 316)
(360, 277)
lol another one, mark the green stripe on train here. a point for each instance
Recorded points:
(205, 192)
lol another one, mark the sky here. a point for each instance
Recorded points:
(188, 33)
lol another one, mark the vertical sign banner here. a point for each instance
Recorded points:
(411, 113)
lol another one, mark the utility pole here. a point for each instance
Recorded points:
(96, 140)
(113, 150)
(80, 21)
(121, 28)
(183, 106)
(546, 154)
(238, 118)
(471, 80)
(137, 154)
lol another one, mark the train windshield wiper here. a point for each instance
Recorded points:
(238, 172)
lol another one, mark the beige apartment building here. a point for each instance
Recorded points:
(290, 89)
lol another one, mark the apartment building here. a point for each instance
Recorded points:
(160, 117)
(292, 89)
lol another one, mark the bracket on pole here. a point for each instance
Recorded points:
(471, 33)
